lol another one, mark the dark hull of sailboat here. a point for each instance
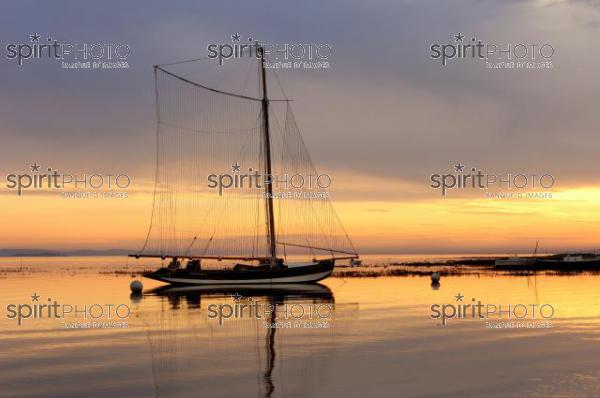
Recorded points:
(260, 275)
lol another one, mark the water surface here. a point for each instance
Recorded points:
(379, 341)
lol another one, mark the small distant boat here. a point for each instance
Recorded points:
(572, 260)
(355, 262)
(515, 261)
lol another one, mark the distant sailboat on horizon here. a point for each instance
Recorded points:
(203, 130)
(518, 260)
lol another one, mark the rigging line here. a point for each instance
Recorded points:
(214, 89)
(262, 163)
(255, 242)
(190, 247)
(307, 158)
(226, 204)
(182, 62)
(246, 78)
(249, 129)
(310, 247)
(157, 155)
(279, 84)
(278, 128)
(293, 119)
(300, 139)
(224, 76)
(219, 217)
(282, 136)
(244, 150)
(344, 230)
(207, 244)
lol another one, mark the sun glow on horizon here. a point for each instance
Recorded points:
(431, 224)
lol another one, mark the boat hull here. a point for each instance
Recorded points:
(284, 275)
(515, 262)
(572, 264)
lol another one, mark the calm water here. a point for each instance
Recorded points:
(379, 339)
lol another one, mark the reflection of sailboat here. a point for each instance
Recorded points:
(203, 130)
(270, 351)
(283, 292)
(183, 345)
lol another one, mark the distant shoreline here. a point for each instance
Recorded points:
(51, 253)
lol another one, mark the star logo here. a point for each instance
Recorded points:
(235, 37)
(459, 167)
(236, 297)
(35, 167)
(235, 167)
(35, 297)
(35, 38)
(459, 297)
(459, 37)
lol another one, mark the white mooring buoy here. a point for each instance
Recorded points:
(136, 286)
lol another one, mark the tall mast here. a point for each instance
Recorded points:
(267, 149)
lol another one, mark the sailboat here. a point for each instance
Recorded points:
(518, 261)
(202, 131)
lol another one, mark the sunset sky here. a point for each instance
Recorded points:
(380, 121)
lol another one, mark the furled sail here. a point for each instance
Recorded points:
(210, 198)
